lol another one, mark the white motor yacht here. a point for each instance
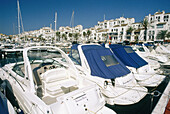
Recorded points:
(154, 58)
(144, 74)
(162, 50)
(147, 52)
(100, 65)
(43, 85)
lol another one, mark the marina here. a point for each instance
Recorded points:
(121, 65)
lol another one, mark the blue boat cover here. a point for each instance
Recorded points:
(103, 63)
(103, 44)
(74, 46)
(139, 44)
(3, 104)
(146, 44)
(128, 56)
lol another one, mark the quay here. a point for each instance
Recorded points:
(163, 101)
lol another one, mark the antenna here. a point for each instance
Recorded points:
(122, 15)
(104, 16)
(51, 25)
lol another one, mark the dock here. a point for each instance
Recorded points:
(161, 105)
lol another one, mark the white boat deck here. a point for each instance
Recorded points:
(161, 105)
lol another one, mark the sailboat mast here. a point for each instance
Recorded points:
(73, 19)
(18, 19)
(55, 20)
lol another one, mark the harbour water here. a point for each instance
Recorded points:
(145, 106)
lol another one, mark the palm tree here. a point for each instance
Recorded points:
(168, 35)
(84, 34)
(129, 31)
(76, 35)
(64, 36)
(70, 34)
(40, 37)
(162, 34)
(145, 24)
(88, 33)
(10, 37)
(136, 38)
(58, 35)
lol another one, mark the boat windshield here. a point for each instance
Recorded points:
(150, 48)
(19, 69)
(45, 57)
(75, 57)
(44, 60)
(109, 60)
(141, 49)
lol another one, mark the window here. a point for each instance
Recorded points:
(159, 25)
(152, 37)
(128, 50)
(153, 32)
(75, 55)
(18, 69)
(109, 60)
(159, 19)
(141, 49)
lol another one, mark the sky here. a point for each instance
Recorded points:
(39, 13)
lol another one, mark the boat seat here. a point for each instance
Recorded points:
(55, 79)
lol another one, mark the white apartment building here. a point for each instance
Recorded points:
(47, 33)
(157, 22)
(117, 29)
(66, 30)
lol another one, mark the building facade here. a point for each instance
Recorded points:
(157, 22)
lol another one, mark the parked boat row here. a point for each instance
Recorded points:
(50, 81)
